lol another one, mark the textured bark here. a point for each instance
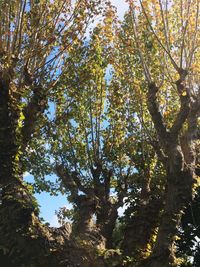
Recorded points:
(24, 240)
(178, 194)
(94, 201)
(84, 222)
(140, 228)
(106, 211)
(106, 221)
(138, 232)
(32, 113)
(180, 167)
(85, 205)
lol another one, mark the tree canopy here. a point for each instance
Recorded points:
(113, 112)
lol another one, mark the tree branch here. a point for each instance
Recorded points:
(67, 180)
(72, 181)
(157, 118)
(34, 109)
(184, 110)
(159, 152)
(159, 41)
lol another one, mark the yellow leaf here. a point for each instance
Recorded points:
(184, 93)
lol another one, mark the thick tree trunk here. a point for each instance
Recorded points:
(23, 238)
(84, 222)
(26, 241)
(178, 194)
(139, 231)
(19, 226)
(84, 226)
(179, 162)
(106, 221)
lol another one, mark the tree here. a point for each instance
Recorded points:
(188, 247)
(91, 135)
(164, 60)
(35, 38)
(128, 137)
(89, 161)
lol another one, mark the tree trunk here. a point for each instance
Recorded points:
(84, 223)
(178, 194)
(106, 221)
(140, 229)
(179, 165)
(24, 240)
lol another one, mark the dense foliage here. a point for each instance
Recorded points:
(112, 111)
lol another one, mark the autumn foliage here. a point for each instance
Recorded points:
(111, 109)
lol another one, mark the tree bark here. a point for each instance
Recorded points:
(178, 194)
(106, 221)
(23, 238)
(84, 222)
(180, 169)
(140, 229)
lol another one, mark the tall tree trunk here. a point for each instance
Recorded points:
(179, 193)
(180, 179)
(23, 238)
(179, 162)
(18, 220)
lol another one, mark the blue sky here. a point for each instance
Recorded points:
(122, 7)
(49, 204)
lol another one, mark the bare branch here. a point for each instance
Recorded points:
(165, 26)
